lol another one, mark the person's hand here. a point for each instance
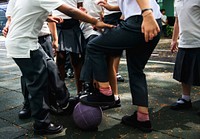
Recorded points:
(149, 26)
(55, 19)
(99, 25)
(174, 46)
(104, 4)
(55, 46)
(83, 9)
(5, 31)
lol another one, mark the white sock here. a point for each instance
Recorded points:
(116, 97)
(186, 97)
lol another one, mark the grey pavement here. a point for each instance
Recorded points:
(163, 91)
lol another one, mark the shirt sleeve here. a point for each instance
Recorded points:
(10, 8)
(50, 5)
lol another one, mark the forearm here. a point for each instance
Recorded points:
(53, 30)
(77, 14)
(114, 8)
(8, 21)
(175, 31)
(143, 4)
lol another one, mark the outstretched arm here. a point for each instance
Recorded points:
(78, 14)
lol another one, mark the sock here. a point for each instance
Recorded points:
(116, 97)
(186, 97)
(106, 91)
(142, 116)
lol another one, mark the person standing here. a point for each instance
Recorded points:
(187, 64)
(164, 22)
(139, 34)
(22, 45)
(71, 39)
(113, 17)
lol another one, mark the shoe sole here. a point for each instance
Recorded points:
(110, 107)
(143, 129)
(45, 132)
(95, 104)
(24, 117)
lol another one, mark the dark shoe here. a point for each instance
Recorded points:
(66, 108)
(120, 78)
(97, 99)
(70, 73)
(132, 121)
(181, 106)
(43, 128)
(117, 104)
(25, 113)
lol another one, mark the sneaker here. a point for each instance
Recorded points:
(132, 121)
(119, 78)
(181, 106)
(97, 99)
(70, 73)
(117, 104)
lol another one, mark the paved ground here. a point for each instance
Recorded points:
(163, 91)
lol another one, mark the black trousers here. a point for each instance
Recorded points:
(40, 78)
(46, 43)
(126, 36)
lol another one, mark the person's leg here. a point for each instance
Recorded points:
(68, 66)
(77, 63)
(35, 72)
(113, 82)
(60, 61)
(46, 43)
(126, 35)
(25, 112)
(116, 65)
(136, 60)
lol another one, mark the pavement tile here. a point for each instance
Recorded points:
(10, 99)
(10, 131)
(163, 91)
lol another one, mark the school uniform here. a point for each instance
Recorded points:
(187, 63)
(112, 17)
(70, 37)
(22, 45)
(45, 40)
(126, 36)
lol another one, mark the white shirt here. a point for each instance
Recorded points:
(45, 30)
(73, 3)
(131, 8)
(113, 3)
(188, 13)
(164, 19)
(10, 7)
(94, 10)
(27, 20)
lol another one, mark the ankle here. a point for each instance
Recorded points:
(142, 116)
(106, 91)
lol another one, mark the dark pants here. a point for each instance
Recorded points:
(127, 36)
(40, 80)
(46, 43)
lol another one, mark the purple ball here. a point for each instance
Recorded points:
(87, 117)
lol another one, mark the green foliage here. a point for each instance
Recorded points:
(169, 30)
